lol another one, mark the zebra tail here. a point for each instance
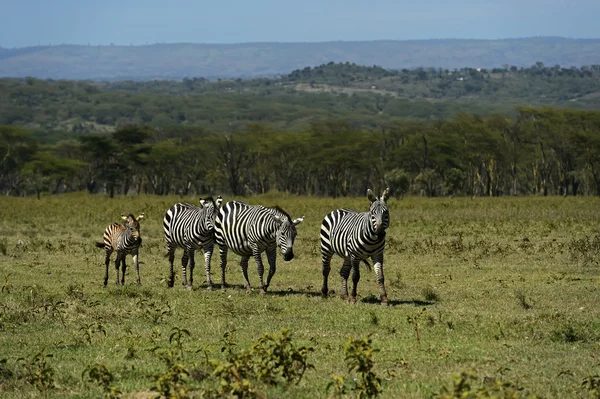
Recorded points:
(99, 244)
(367, 263)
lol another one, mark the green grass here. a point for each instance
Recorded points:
(507, 288)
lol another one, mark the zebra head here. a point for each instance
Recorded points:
(379, 213)
(132, 224)
(286, 233)
(211, 208)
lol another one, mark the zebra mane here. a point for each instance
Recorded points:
(130, 219)
(278, 209)
(211, 199)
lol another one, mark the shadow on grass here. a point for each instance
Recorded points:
(290, 291)
(395, 302)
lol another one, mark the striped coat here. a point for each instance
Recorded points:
(191, 228)
(123, 239)
(249, 230)
(356, 237)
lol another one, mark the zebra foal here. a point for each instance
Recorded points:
(124, 239)
(250, 230)
(190, 227)
(355, 237)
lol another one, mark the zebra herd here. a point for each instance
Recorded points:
(248, 231)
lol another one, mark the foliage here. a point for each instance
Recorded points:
(37, 371)
(101, 376)
(359, 359)
(491, 388)
(273, 359)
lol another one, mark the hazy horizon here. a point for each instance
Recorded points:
(136, 22)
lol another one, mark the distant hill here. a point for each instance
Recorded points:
(176, 61)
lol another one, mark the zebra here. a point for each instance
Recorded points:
(250, 230)
(124, 239)
(355, 237)
(190, 227)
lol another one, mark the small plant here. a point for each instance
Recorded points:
(90, 329)
(592, 384)
(359, 359)
(102, 377)
(172, 383)
(374, 318)
(339, 387)
(463, 388)
(415, 320)
(6, 287)
(177, 335)
(153, 311)
(5, 372)
(430, 294)
(523, 300)
(38, 372)
(567, 334)
(273, 359)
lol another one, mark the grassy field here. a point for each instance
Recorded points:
(506, 290)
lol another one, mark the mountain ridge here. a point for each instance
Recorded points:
(255, 59)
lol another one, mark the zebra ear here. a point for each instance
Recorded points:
(298, 221)
(219, 201)
(140, 217)
(277, 219)
(123, 216)
(385, 195)
(371, 196)
(202, 203)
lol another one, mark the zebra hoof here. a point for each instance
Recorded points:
(263, 291)
(352, 300)
(209, 288)
(189, 287)
(385, 301)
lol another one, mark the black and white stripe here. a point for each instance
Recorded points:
(355, 237)
(251, 230)
(124, 239)
(190, 227)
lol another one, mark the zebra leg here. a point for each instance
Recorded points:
(271, 258)
(184, 262)
(261, 269)
(117, 265)
(123, 268)
(107, 262)
(355, 278)
(171, 253)
(378, 267)
(244, 267)
(223, 263)
(192, 264)
(208, 251)
(344, 274)
(137, 267)
(326, 258)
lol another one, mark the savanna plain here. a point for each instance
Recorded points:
(488, 296)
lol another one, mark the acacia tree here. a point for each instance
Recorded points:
(17, 147)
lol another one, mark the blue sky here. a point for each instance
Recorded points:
(124, 22)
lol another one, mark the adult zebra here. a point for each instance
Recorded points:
(124, 239)
(250, 230)
(190, 227)
(355, 237)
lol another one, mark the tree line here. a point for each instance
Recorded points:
(365, 97)
(543, 151)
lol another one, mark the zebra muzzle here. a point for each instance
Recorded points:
(288, 256)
